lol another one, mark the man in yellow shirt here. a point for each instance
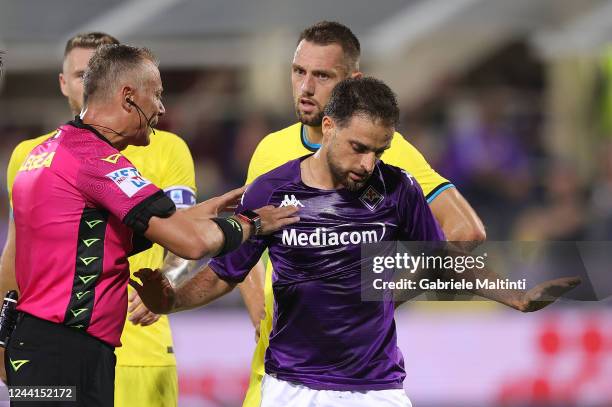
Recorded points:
(327, 53)
(145, 373)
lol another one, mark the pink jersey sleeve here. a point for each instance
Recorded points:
(114, 183)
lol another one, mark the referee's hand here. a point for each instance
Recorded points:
(224, 203)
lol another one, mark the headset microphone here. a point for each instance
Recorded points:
(148, 119)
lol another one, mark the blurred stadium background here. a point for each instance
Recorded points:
(511, 100)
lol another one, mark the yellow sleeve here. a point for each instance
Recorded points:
(404, 155)
(179, 169)
(18, 156)
(259, 161)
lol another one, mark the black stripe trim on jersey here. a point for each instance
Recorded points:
(157, 204)
(304, 142)
(436, 189)
(78, 123)
(88, 267)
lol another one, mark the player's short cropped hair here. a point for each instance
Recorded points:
(363, 96)
(90, 40)
(331, 32)
(108, 65)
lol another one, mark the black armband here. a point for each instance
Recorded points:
(157, 204)
(232, 234)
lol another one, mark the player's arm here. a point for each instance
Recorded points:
(458, 219)
(455, 215)
(178, 182)
(422, 226)
(214, 280)
(160, 297)
(7, 277)
(7, 261)
(192, 234)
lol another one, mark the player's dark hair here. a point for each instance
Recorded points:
(108, 64)
(1, 55)
(363, 96)
(331, 32)
(90, 40)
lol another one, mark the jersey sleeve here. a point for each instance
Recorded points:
(260, 161)
(118, 188)
(178, 181)
(418, 222)
(236, 265)
(404, 155)
(17, 157)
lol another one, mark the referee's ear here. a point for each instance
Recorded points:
(357, 75)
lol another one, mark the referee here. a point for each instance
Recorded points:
(145, 373)
(90, 210)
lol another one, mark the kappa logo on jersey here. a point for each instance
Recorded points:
(112, 158)
(291, 200)
(128, 180)
(371, 198)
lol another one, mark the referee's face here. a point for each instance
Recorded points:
(315, 70)
(71, 77)
(147, 106)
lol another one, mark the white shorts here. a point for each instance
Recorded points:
(279, 393)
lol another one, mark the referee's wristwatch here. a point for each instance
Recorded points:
(253, 218)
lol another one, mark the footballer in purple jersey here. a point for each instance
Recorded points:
(328, 347)
(324, 336)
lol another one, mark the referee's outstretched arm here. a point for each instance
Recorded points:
(197, 232)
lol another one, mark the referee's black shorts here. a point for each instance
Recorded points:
(42, 353)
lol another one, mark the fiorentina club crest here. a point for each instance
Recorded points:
(371, 198)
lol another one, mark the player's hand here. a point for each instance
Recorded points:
(2, 369)
(546, 293)
(224, 203)
(156, 292)
(139, 314)
(273, 219)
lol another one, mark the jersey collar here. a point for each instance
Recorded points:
(78, 123)
(307, 144)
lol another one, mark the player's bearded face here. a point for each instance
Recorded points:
(316, 69)
(345, 168)
(353, 151)
(344, 176)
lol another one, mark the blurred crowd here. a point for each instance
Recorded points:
(484, 131)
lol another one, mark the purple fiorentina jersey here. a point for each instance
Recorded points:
(323, 335)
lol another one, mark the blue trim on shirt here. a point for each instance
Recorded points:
(439, 191)
(310, 146)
